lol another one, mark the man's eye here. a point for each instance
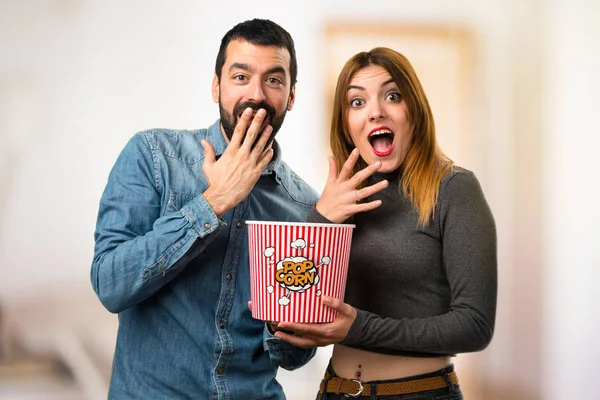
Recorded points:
(274, 81)
(239, 78)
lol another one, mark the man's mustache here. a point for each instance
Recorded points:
(240, 107)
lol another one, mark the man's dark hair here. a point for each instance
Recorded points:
(261, 32)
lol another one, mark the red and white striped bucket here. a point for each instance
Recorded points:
(292, 265)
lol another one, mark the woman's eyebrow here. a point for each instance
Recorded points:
(362, 88)
(355, 87)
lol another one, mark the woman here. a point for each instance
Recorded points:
(421, 284)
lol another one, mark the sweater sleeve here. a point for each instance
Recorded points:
(314, 216)
(469, 258)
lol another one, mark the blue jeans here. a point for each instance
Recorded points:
(451, 392)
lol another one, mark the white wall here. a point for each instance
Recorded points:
(79, 77)
(572, 216)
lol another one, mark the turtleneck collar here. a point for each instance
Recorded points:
(392, 177)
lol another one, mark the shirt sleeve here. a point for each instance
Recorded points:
(470, 260)
(137, 250)
(284, 354)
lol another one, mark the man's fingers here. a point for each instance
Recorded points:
(263, 138)
(265, 158)
(240, 128)
(209, 152)
(254, 129)
(261, 144)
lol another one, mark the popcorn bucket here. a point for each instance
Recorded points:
(292, 265)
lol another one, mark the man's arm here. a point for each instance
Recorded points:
(137, 251)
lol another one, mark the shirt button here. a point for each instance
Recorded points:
(207, 225)
(228, 277)
(220, 371)
(239, 224)
(221, 325)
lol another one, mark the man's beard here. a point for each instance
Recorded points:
(230, 120)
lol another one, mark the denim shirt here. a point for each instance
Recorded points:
(179, 276)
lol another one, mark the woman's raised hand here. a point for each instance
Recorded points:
(341, 199)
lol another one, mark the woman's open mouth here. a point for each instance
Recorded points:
(381, 140)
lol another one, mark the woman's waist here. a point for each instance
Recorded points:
(351, 363)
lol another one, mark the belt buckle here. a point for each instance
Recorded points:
(360, 389)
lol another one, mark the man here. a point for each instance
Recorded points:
(171, 254)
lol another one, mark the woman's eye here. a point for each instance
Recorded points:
(356, 103)
(394, 96)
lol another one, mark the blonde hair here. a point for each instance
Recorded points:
(425, 165)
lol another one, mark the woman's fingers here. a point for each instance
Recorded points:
(348, 165)
(368, 191)
(333, 174)
(364, 173)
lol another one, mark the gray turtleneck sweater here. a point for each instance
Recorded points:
(423, 291)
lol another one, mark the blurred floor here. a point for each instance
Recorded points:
(33, 379)
(56, 345)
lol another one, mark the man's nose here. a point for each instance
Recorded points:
(256, 92)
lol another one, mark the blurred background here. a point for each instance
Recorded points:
(513, 87)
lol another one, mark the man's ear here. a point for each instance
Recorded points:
(292, 98)
(215, 89)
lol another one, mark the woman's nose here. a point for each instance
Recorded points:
(376, 115)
